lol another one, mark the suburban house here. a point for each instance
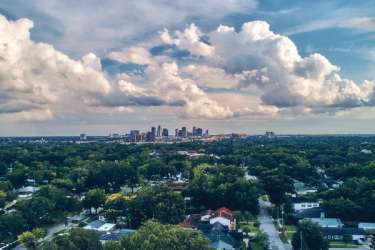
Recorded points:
(315, 212)
(300, 206)
(368, 227)
(100, 226)
(225, 217)
(27, 191)
(219, 235)
(301, 189)
(115, 235)
(328, 222)
(357, 234)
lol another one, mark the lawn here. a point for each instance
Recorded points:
(249, 226)
(341, 244)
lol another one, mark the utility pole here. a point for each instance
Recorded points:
(282, 215)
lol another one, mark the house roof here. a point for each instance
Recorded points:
(342, 231)
(117, 235)
(224, 212)
(327, 222)
(365, 225)
(28, 189)
(222, 245)
(314, 212)
(99, 225)
(207, 228)
(215, 236)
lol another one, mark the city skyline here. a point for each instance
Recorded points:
(243, 66)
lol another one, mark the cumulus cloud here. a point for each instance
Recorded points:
(254, 64)
(190, 39)
(37, 81)
(136, 55)
(34, 76)
(95, 26)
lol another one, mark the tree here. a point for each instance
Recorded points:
(11, 225)
(85, 239)
(262, 240)
(30, 238)
(153, 235)
(216, 186)
(37, 210)
(112, 245)
(3, 197)
(347, 239)
(94, 198)
(276, 186)
(158, 202)
(78, 239)
(311, 236)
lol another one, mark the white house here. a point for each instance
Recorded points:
(328, 222)
(300, 206)
(368, 227)
(100, 226)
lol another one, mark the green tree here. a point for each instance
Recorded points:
(112, 245)
(94, 198)
(158, 202)
(37, 210)
(311, 236)
(153, 235)
(78, 239)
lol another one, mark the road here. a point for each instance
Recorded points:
(266, 224)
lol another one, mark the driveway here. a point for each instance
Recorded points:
(266, 224)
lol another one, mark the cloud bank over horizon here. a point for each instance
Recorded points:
(220, 74)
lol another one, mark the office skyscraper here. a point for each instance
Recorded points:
(158, 134)
(165, 132)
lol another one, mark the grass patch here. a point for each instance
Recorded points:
(341, 244)
(256, 246)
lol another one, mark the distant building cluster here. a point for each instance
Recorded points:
(160, 134)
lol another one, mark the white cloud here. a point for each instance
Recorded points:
(96, 26)
(137, 55)
(190, 39)
(261, 68)
(34, 76)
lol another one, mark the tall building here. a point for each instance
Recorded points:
(176, 132)
(165, 132)
(158, 134)
(82, 137)
(183, 132)
(153, 134)
(135, 135)
(199, 132)
(194, 131)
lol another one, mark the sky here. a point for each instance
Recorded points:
(249, 66)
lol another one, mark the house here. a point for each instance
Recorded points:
(219, 236)
(328, 222)
(76, 218)
(115, 235)
(368, 227)
(315, 212)
(357, 234)
(300, 206)
(27, 190)
(301, 189)
(100, 226)
(225, 217)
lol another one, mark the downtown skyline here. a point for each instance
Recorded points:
(242, 66)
